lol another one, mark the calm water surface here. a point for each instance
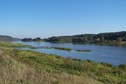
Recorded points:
(100, 53)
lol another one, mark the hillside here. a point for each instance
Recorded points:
(19, 67)
(7, 38)
(117, 37)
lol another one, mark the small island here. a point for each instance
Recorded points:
(62, 48)
(83, 50)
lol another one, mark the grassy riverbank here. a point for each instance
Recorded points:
(12, 45)
(28, 67)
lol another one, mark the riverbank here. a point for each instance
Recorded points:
(28, 67)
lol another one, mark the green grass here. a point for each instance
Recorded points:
(12, 45)
(28, 67)
(55, 64)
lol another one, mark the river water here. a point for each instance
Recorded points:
(114, 55)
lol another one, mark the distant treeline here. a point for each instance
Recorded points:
(30, 39)
(117, 37)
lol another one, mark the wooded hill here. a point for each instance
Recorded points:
(118, 37)
(7, 38)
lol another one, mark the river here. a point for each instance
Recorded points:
(114, 55)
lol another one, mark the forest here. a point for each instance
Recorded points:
(112, 37)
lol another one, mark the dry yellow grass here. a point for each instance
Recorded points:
(14, 72)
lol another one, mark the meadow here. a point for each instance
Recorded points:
(28, 67)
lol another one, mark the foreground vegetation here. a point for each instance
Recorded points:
(11, 45)
(28, 67)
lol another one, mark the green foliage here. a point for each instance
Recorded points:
(108, 38)
(30, 39)
(59, 39)
(7, 44)
(122, 66)
(101, 71)
(14, 70)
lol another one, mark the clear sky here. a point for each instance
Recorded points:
(45, 18)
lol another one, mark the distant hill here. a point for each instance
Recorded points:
(117, 37)
(7, 38)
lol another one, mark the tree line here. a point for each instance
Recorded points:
(32, 39)
(117, 37)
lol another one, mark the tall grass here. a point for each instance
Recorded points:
(12, 45)
(26, 67)
(56, 65)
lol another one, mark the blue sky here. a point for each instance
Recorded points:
(45, 18)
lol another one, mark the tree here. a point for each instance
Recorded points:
(119, 40)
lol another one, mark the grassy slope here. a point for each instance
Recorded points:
(14, 72)
(27, 67)
(16, 69)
